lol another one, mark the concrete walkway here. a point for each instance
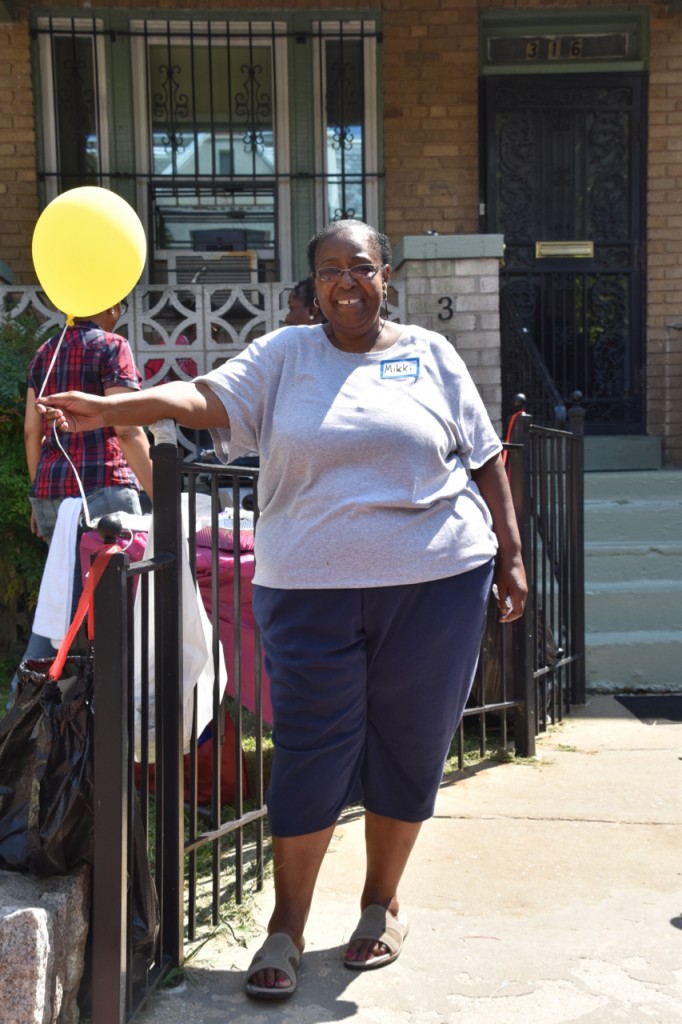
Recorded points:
(542, 892)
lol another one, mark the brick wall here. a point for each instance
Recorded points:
(430, 73)
(18, 198)
(664, 341)
(430, 116)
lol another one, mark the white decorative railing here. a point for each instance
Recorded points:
(180, 331)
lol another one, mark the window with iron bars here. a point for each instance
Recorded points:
(224, 135)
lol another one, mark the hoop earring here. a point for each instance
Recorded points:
(315, 302)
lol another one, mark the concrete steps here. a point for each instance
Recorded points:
(623, 452)
(633, 581)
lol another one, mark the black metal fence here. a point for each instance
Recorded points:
(549, 489)
(203, 849)
(150, 764)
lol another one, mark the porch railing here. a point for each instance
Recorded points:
(524, 371)
(550, 490)
(528, 675)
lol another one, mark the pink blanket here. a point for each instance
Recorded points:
(226, 617)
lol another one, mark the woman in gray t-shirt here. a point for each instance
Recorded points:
(385, 516)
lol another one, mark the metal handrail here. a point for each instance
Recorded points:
(525, 371)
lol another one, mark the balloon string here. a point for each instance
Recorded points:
(86, 510)
(69, 323)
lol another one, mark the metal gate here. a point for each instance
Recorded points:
(565, 183)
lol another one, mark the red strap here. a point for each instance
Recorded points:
(86, 600)
(508, 438)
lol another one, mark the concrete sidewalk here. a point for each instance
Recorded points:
(540, 893)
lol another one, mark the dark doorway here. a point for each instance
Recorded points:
(564, 162)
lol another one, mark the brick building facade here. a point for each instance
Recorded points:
(429, 145)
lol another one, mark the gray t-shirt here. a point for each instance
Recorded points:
(365, 458)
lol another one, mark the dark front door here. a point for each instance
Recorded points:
(564, 160)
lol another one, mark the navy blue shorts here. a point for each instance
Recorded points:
(367, 687)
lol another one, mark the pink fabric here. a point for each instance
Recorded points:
(187, 366)
(91, 543)
(226, 619)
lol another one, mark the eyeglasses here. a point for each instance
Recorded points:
(363, 272)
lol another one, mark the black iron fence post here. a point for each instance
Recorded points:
(109, 904)
(576, 420)
(170, 819)
(523, 640)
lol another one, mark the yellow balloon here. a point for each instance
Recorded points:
(89, 249)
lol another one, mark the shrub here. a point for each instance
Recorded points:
(22, 555)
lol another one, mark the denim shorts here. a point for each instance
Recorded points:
(100, 502)
(368, 687)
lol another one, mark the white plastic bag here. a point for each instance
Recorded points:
(197, 663)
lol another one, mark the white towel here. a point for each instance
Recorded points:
(53, 611)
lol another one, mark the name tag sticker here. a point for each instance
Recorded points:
(398, 369)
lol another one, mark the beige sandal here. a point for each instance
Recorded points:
(280, 953)
(377, 924)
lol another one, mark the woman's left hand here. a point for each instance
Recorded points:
(510, 576)
(511, 586)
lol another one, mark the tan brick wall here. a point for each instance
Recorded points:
(664, 342)
(18, 198)
(430, 117)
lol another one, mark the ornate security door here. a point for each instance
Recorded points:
(565, 183)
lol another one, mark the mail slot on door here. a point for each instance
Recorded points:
(564, 250)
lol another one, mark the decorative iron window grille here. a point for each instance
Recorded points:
(212, 138)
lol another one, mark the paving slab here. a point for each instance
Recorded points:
(544, 891)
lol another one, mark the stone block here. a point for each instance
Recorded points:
(489, 341)
(27, 967)
(452, 285)
(464, 323)
(488, 375)
(490, 322)
(43, 932)
(476, 268)
(477, 303)
(489, 285)
(417, 286)
(420, 306)
(469, 354)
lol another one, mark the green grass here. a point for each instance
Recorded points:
(472, 750)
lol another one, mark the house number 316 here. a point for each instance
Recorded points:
(447, 312)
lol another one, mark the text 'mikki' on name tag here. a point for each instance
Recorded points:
(399, 369)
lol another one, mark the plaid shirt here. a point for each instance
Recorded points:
(89, 360)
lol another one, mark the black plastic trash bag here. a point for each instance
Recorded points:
(46, 770)
(47, 788)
